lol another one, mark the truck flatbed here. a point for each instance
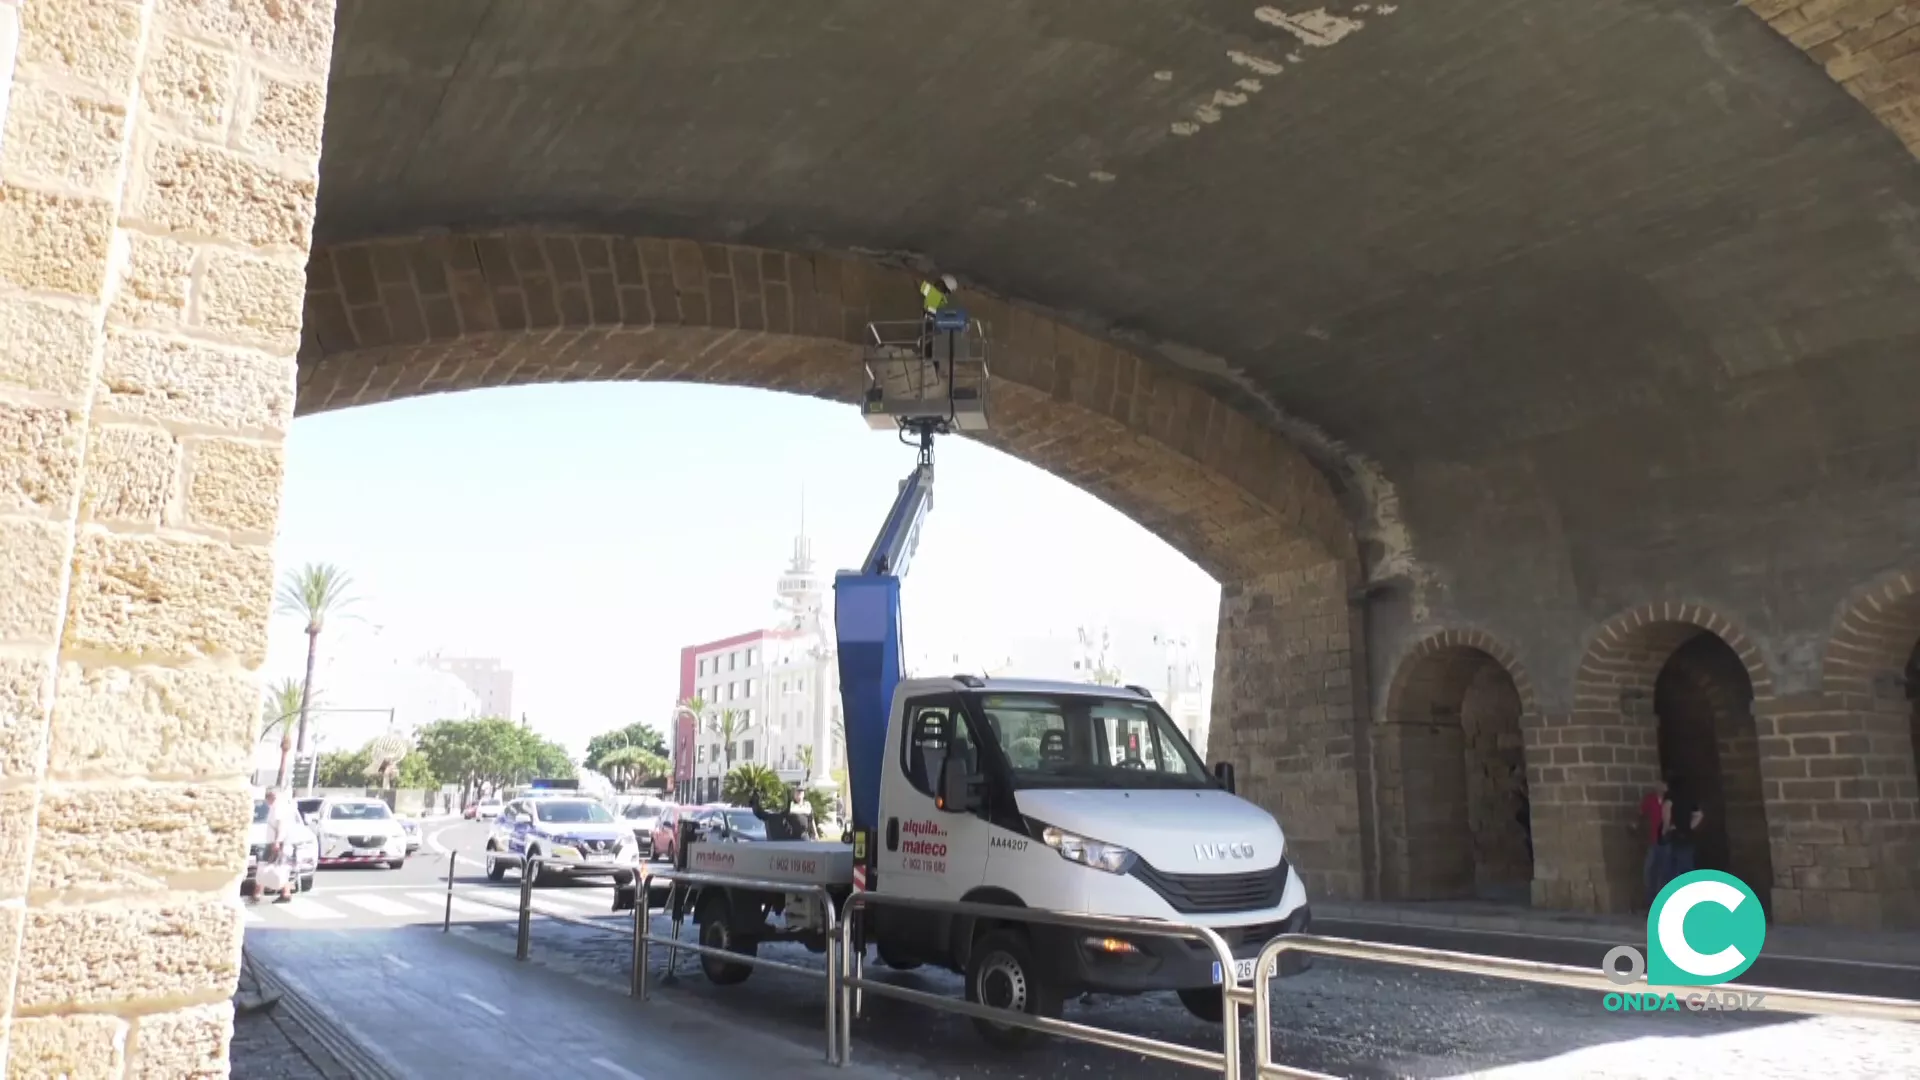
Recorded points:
(795, 862)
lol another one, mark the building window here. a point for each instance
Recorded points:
(733, 661)
(748, 691)
(700, 755)
(751, 654)
(749, 750)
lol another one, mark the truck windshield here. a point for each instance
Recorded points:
(1081, 741)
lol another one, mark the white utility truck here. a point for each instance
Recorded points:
(1056, 796)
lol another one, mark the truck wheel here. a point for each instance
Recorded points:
(1003, 973)
(716, 933)
(896, 961)
(1204, 1004)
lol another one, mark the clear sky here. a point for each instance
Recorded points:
(583, 533)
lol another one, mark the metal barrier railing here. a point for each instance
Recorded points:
(523, 908)
(1500, 967)
(1232, 996)
(678, 879)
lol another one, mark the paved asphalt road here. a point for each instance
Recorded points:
(1346, 1019)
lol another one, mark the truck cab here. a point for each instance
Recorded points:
(1071, 798)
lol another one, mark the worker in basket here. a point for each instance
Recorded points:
(935, 296)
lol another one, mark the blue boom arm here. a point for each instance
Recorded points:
(866, 616)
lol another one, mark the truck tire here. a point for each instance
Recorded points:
(1003, 973)
(716, 932)
(1203, 1004)
(895, 960)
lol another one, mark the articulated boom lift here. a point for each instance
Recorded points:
(924, 379)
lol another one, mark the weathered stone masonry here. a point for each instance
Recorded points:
(157, 181)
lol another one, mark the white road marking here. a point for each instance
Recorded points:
(311, 911)
(624, 1074)
(482, 1004)
(439, 902)
(376, 903)
(399, 963)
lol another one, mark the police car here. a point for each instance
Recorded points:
(577, 830)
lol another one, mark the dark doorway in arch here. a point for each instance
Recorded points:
(1456, 820)
(1704, 701)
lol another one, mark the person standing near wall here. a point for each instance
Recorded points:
(1652, 817)
(1680, 819)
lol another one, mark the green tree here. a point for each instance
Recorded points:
(637, 735)
(281, 709)
(314, 593)
(416, 773)
(819, 804)
(631, 765)
(743, 783)
(491, 751)
(806, 764)
(343, 769)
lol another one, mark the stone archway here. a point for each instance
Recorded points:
(1595, 769)
(1450, 762)
(1703, 702)
(390, 318)
(1856, 864)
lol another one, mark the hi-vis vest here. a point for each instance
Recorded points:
(932, 296)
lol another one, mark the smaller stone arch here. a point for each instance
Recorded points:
(1864, 744)
(1454, 813)
(1666, 687)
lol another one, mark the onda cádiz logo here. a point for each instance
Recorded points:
(1705, 928)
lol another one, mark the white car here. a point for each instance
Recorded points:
(359, 831)
(306, 847)
(488, 809)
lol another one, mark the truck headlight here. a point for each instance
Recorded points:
(1086, 851)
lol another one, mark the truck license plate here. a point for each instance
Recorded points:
(1242, 971)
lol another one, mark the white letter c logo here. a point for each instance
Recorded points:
(1673, 921)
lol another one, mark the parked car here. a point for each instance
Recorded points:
(486, 809)
(306, 848)
(308, 809)
(575, 829)
(359, 831)
(641, 815)
(666, 827)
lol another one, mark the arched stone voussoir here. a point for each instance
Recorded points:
(397, 317)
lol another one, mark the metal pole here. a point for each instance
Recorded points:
(673, 912)
(452, 857)
(637, 986)
(523, 945)
(833, 977)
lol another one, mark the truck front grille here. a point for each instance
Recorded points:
(1209, 894)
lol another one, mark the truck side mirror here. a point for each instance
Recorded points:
(1223, 772)
(958, 793)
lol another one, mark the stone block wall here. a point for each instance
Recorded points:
(158, 166)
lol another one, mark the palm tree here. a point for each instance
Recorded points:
(749, 781)
(282, 707)
(727, 725)
(806, 763)
(314, 592)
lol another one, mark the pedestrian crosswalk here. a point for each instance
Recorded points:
(392, 905)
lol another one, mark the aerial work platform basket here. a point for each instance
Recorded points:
(927, 375)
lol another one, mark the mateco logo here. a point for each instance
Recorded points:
(1706, 927)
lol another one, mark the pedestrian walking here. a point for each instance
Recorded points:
(276, 872)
